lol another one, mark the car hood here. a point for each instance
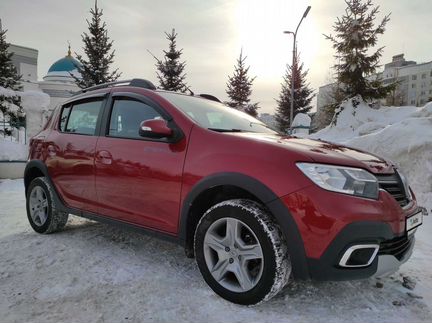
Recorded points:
(325, 152)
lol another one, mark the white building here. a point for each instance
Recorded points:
(414, 83)
(25, 61)
(57, 83)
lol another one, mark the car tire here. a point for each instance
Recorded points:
(241, 252)
(42, 211)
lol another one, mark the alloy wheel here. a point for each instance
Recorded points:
(233, 254)
(38, 205)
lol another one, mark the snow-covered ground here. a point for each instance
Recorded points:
(92, 272)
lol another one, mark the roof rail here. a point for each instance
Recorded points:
(209, 97)
(133, 82)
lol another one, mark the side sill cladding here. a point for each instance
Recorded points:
(268, 198)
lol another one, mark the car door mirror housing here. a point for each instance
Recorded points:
(155, 128)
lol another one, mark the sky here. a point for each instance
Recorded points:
(212, 33)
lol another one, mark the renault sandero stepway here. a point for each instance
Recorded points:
(254, 207)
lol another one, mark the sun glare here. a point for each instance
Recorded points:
(260, 33)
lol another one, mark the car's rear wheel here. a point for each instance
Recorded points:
(42, 211)
(241, 252)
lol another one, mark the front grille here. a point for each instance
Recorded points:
(396, 247)
(393, 185)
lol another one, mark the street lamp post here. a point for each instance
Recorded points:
(294, 52)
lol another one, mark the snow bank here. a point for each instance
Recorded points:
(401, 134)
(35, 105)
(32, 101)
(35, 101)
(355, 118)
(10, 150)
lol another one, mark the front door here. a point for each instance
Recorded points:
(138, 180)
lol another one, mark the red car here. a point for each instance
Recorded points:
(252, 206)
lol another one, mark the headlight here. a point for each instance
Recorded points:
(348, 180)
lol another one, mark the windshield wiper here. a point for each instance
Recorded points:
(226, 130)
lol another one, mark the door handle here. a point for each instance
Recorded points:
(104, 157)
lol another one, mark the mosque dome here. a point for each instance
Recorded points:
(62, 69)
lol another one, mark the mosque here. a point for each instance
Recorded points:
(57, 82)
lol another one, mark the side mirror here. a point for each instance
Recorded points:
(155, 128)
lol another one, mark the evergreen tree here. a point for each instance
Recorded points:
(10, 105)
(303, 95)
(355, 37)
(170, 69)
(239, 88)
(97, 47)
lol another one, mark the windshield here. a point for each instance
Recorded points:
(214, 115)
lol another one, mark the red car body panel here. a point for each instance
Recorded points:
(70, 161)
(320, 215)
(140, 182)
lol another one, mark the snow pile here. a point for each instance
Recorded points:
(401, 134)
(10, 150)
(35, 101)
(35, 105)
(356, 118)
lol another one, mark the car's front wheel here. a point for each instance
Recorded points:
(42, 211)
(241, 252)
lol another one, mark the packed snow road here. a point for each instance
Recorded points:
(92, 272)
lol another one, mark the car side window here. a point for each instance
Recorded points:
(63, 118)
(83, 118)
(127, 115)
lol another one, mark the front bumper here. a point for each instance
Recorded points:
(388, 264)
(392, 253)
(331, 223)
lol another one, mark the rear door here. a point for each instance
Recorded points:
(71, 151)
(138, 180)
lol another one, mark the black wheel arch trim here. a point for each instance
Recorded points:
(35, 163)
(40, 165)
(276, 207)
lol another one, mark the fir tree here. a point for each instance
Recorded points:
(303, 95)
(355, 36)
(239, 88)
(170, 69)
(95, 69)
(10, 106)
